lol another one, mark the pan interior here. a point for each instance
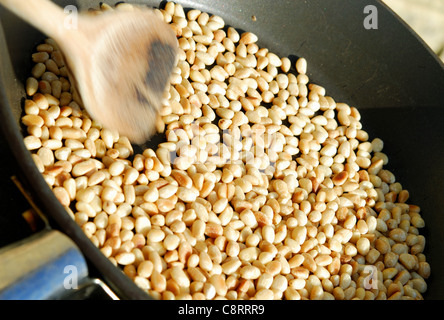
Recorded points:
(387, 73)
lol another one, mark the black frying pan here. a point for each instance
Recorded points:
(388, 73)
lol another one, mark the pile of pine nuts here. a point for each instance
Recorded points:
(265, 187)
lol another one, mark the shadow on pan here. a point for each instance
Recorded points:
(388, 73)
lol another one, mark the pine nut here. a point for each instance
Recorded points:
(249, 272)
(125, 258)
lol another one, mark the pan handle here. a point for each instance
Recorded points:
(47, 266)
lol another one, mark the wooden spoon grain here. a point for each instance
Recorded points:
(119, 61)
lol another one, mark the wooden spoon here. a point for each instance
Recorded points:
(120, 62)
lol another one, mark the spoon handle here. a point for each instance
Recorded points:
(42, 14)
